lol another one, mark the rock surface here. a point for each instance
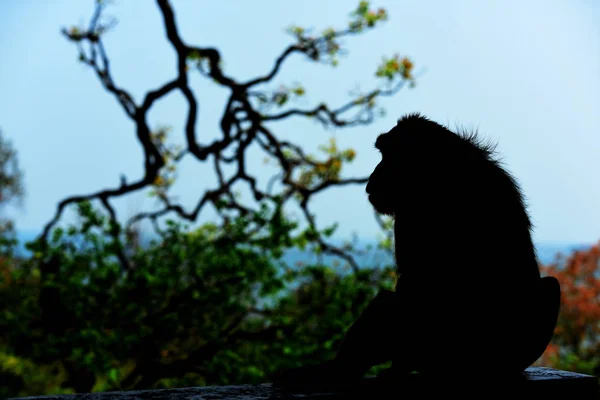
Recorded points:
(542, 383)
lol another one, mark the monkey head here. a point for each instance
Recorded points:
(423, 162)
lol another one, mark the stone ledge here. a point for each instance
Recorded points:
(543, 383)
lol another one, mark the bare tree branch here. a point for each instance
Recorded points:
(241, 125)
(278, 63)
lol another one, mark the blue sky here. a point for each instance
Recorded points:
(524, 73)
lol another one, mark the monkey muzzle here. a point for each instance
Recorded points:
(382, 204)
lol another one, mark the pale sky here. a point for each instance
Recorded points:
(524, 73)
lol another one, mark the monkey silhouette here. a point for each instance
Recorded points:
(469, 297)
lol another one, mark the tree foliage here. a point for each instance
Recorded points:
(92, 309)
(11, 180)
(576, 342)
(195, 308)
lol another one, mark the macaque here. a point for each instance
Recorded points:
(469, 296)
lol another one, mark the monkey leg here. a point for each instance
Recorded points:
(368, 342)
(530, 331)
(518, 337)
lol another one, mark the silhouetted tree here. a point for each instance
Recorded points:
(189, 308)
(248, 120)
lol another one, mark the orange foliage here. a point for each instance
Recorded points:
(577, 332)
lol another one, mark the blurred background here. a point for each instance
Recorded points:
(182, 183)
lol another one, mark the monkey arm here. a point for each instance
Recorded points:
(368, 342)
